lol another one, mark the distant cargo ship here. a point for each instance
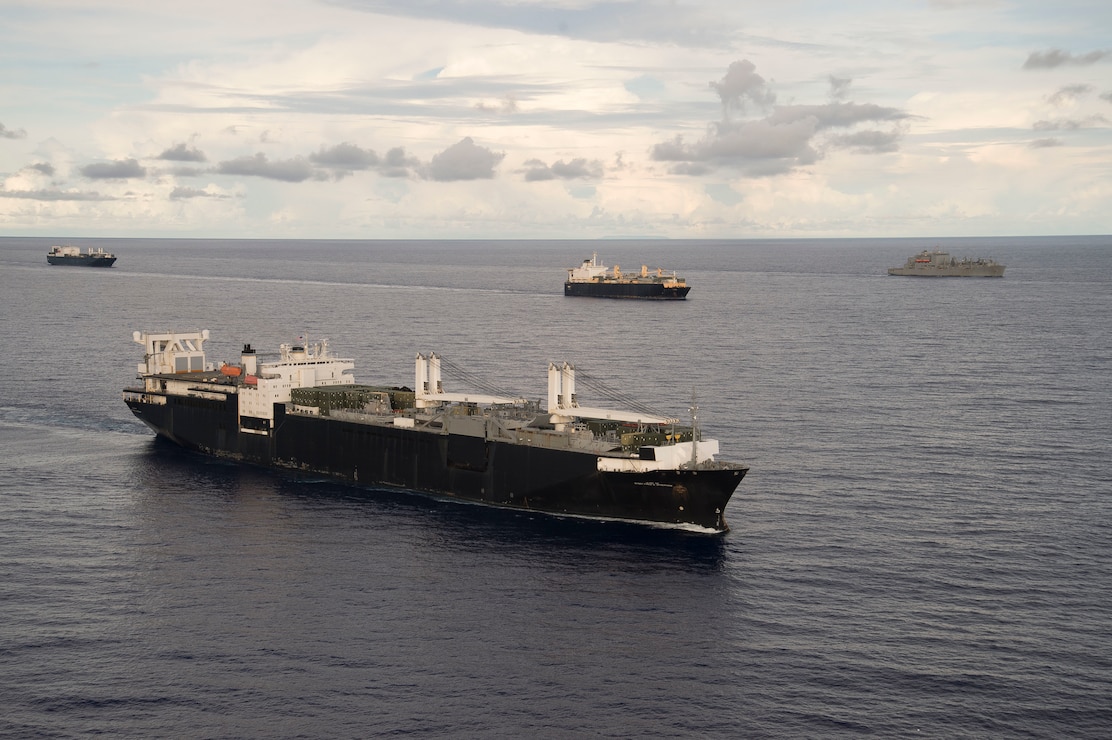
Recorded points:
(598, 281)
(941, 264)
(74, 256)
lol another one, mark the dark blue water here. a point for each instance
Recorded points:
(923, 546)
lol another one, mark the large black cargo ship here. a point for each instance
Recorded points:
(594, 280)
(75, 256)
(305, 412)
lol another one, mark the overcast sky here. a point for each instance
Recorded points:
(555, 119)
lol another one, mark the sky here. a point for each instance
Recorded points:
(562, 119)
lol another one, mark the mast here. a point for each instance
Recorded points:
(694, 429)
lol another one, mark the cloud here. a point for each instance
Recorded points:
(1044, 143)
(868, 142)
(1068, 94)
(397, 163)
(602, 21)
(507, 105)
(182, 193)
(1057, 58)
(575, 169)
(692, 169)
(464, 160)
(836, 115)
(189, 171)
(43, 168)
(537, 171)
(289, 170)
(7, 133)
(121, 169)
(55, 195)
(345, 156)
(1070, 124)
(183, 153)
(785, 139)
(741, 83)
(344, 159)
(839, 87)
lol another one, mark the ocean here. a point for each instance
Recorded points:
(922, 547)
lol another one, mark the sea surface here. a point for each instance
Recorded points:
(923, 546)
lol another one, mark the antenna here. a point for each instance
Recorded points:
(694, 429)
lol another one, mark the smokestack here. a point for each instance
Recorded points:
(250, 363)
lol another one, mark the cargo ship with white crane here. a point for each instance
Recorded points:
(94, 257)
(304, 411)
(593, 279)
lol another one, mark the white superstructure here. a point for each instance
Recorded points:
(589, 270)
(174, 362)
(299, 365)
(172, 352)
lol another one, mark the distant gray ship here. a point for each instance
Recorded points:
(941, 264)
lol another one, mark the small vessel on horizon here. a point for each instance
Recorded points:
(93, 257)
(595, 280)
(941, 264)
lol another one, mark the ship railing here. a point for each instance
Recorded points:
(137, 395)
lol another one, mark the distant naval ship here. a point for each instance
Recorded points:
(941, 264)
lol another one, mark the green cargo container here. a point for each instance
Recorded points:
(372, 398)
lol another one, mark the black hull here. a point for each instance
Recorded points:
(83, 261)
(646, 291)
(496, 473)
